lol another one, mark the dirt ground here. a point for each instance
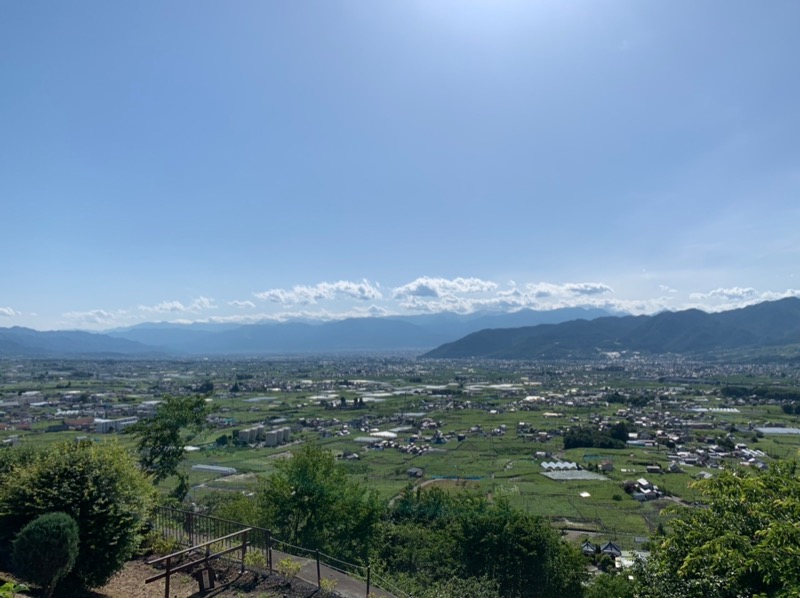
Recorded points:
(129, 583)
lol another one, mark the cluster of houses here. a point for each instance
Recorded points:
(98, 425)
(72, 410)
(642, 490)
(590, 549)
(407, 448)
(623, 559)
(713, 456)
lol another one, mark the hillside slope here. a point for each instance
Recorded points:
(692, 331)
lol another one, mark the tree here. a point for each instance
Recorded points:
(233, 506)
(619, 431)
(458, 588)
(610, 585)
(309, 501)
(45, 550)
(605, 563)
(746, 541)
(520, 551)
(160, 439)
(432, 536)
(18, 457)
(580, 437)
(206, 388)
(99, 486)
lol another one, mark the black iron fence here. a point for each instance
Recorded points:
(188, 529)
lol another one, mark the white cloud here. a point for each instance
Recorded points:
(774, 296)
(165, 307)
(729, 293)
(724, 299)
(422, 295)
(448, 303)
(321, 315)
(307, 295)
(8, 312)
(375, 311)
(629, 306)
(426, 286)
(202, 303)
(96, 317)
(197, 305)
(241, 304)
(542, 290)
(467, 295)
(587, 288)
(512, 292)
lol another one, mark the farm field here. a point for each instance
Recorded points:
(488, 428)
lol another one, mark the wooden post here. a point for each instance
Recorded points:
(368, 579)
(319, 577)
(269, 551)
(166, 579)
(244, 549)
(190, 526)
(203, 586)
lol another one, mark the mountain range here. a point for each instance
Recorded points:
(169, 340)
(764, 325)
(526, 334)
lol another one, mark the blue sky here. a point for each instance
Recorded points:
(245, 160)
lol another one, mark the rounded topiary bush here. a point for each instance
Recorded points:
(45, 550)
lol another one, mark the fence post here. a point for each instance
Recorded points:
(244, 549)
(166, 579)
(269, 551)
(191, 525)
(369, 572)
(319, 577)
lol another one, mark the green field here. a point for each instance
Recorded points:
(471, 401)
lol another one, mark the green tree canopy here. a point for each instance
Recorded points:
(98, 485)
(432, 536)
(309, 501)
(610, 585)
(744, 543)
(520, 551)
(459, 588)
(161, 438)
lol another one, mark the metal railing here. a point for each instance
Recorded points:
(204, 561)
(189, 529)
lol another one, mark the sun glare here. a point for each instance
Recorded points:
(481, 18)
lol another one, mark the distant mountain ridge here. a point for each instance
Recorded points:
(27, 343)
(768, 324)
(393, 333)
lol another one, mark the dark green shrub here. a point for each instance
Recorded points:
(99, 485)
(45, 550)
(155, 543)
